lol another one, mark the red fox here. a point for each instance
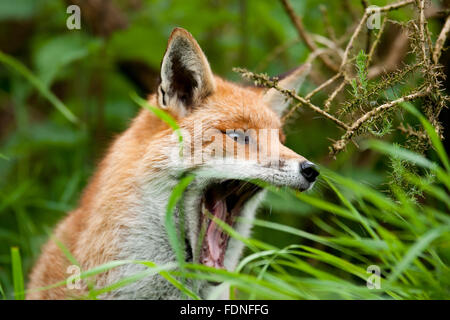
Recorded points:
(121, 215)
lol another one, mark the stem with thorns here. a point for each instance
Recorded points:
(323, 85)
(372, 114)
(421, 6)
(395, 6)
(338, 89)
(264, 80)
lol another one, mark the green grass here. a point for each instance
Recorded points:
(315, 245)
(17, 274)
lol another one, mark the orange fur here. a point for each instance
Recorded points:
(92, 231)
(89, 231)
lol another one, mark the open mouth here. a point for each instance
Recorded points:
(224, 201)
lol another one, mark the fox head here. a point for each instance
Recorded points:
(231, 134)
(231, 137)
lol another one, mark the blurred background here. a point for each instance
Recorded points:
(46, 160)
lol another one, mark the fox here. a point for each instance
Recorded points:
(122, 211)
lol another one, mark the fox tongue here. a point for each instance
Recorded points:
(214, 235)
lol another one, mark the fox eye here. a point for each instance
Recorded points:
(238, 136)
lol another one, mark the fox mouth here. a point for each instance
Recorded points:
(224, 201)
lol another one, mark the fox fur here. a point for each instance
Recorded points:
(121, 213)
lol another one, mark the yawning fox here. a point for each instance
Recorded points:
(122, 212)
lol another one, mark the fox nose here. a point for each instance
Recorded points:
(309, 171)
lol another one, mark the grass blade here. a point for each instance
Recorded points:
(2, 292)
(415, 250)
(171, 229)
(39, 85)
(16, 261)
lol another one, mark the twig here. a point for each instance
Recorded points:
(330, 99)
(365, 98)
(365, 5)
(411, 132)
(441, 40)
(376, 42)
(372, 114)
(348, 7)
(363, 20)
(352, 39)
(328, 43)
(323, 85)
(429, 42)
(262, 79)
(421, 5)
(397, 51)
(395, 6)
(297, 21)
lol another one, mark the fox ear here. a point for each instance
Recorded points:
(186, 77)
(292, 81)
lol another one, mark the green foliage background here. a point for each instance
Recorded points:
(46, 160)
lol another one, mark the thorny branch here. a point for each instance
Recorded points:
(262, 79)
(417, 37)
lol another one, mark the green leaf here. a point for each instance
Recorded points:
(152, 270)
(2, 292)
(176, 243)
(397, 151)
(180, 286)
(16, 261)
